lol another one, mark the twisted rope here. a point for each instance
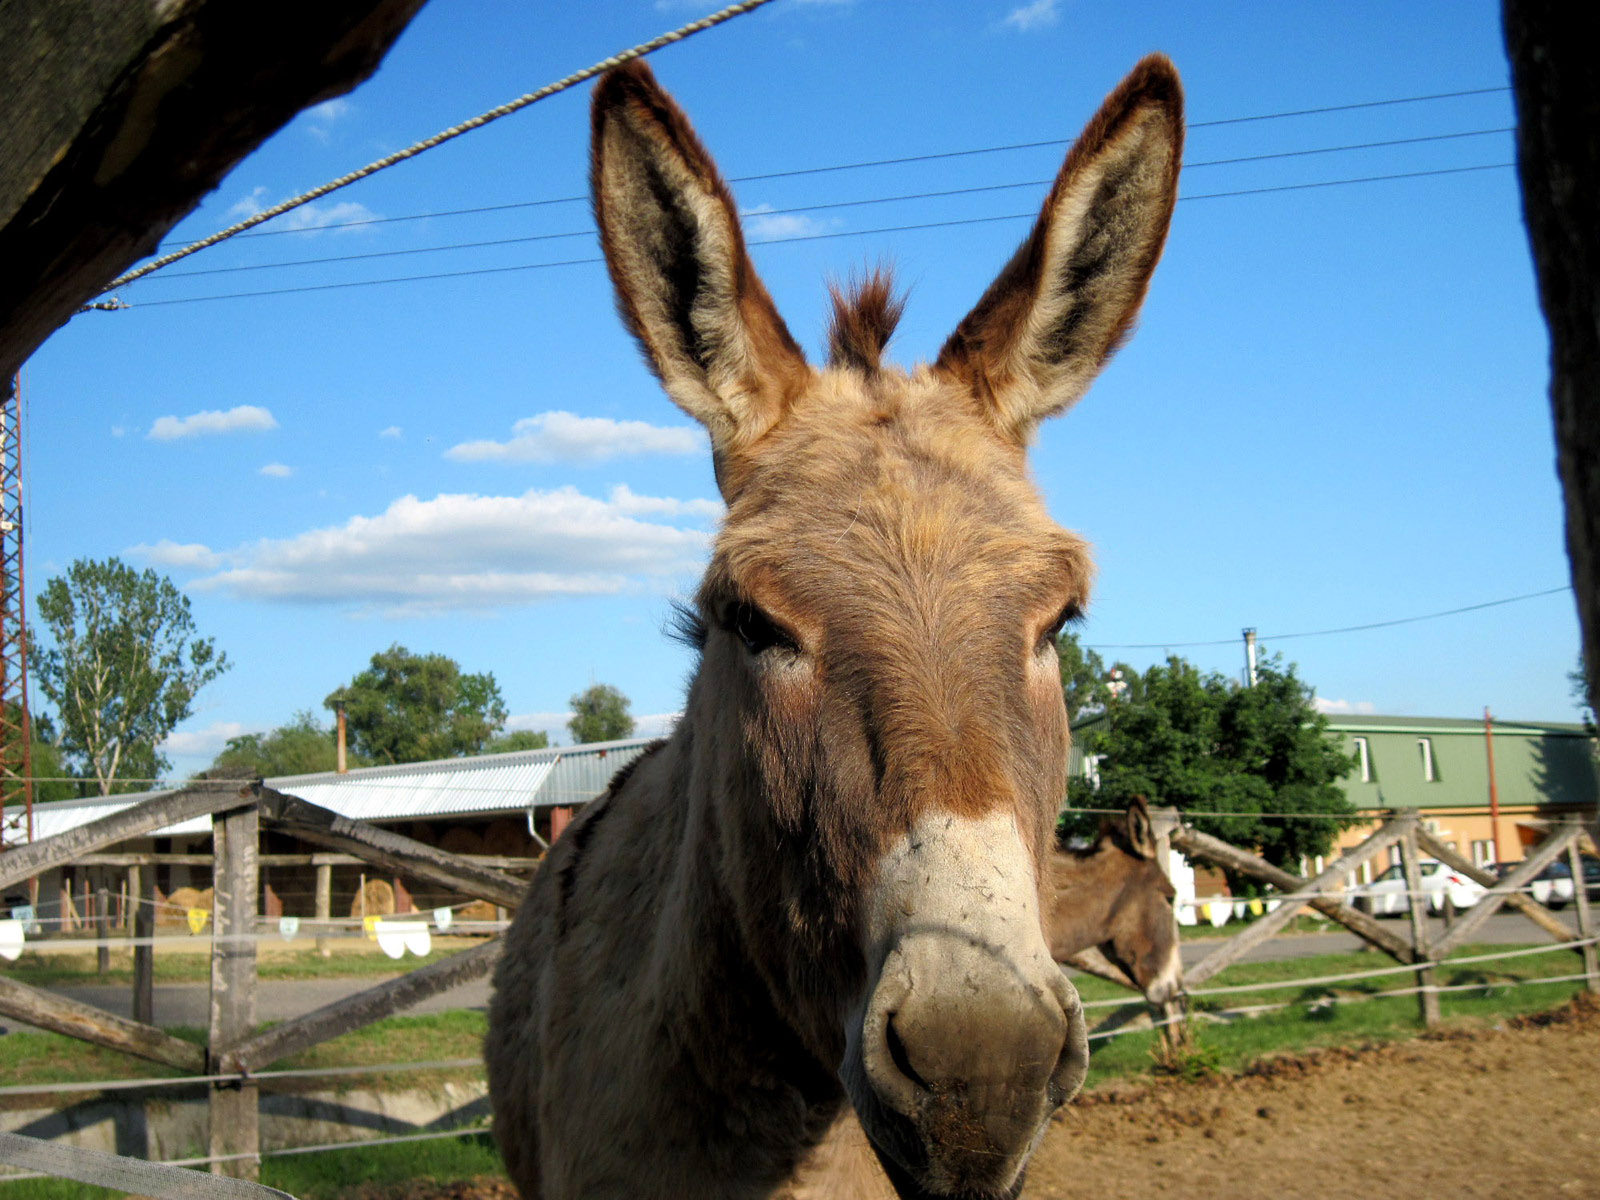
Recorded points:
(455, 131)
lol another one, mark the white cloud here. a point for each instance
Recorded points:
(1346, 707)
(393, 431)
(119, 431)
(566, 437)
(761, 222)
(277, 471)
(190, 556)
(308, 218)
(1037, 15)
(246, 418)
(207, 742)
(330, 110)
(471, 552)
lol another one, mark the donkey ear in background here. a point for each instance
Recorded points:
(1068, 297)
(684, 281)
(1141, 836)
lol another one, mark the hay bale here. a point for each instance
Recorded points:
(379, 900)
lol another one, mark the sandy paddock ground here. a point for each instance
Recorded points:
(1510, 1112)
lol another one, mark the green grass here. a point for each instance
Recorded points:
(326, 1175)
(1326, 1015)
(186, 966)
(45, 1058)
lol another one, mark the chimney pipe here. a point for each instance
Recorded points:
(342, 767)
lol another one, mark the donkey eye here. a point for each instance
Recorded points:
(756, 630)
(1047, 639)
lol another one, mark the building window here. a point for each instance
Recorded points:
(1363, 760)
(1483, 853)
(1430, 769)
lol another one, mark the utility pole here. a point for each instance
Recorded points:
(1494, 789)
(16, 735)
(1250, 658)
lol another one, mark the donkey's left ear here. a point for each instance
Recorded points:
(1141, 834)
(1069, 295)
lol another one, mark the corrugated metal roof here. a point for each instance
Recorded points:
(62, 815)
(488, 783)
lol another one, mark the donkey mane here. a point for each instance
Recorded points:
(865, 313)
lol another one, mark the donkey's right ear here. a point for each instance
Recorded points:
(685, 284)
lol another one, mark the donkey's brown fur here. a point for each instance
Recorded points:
(826, 888)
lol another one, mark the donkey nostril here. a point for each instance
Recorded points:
(898, 1055)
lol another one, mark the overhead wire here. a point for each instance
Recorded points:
(811, 237)
(1284, 637)
(803, 208)
(905, 159)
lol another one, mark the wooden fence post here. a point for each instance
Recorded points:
(1427, 998)
(1580, 900)
(234, 1117)
(324, 905)
(102, 922)
(141, 895)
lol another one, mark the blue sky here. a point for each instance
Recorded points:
(1334, 411)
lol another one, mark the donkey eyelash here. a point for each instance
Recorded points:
(756, 629)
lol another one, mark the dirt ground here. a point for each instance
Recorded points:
(1509, 1112)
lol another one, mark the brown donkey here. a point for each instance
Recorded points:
(1114, 897)
(826, 888)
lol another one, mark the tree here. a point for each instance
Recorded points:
(1083, 676)
(1202, 743)
(123, 669)
(302, 747)
(600, 714)
(518, 739)
(412, 707)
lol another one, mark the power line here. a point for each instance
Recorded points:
(804, 208)
(1283, 637)
(810, 237)
(931, 157)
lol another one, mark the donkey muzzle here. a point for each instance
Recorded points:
(971, 1035)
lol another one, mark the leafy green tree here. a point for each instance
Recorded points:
(518, 739)
(1201, 743)
(1083, 676)
(302, 747)
(122, 668)
(600, 714)
(409, 707)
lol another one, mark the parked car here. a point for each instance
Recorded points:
(1552, 887)
(1386, 896)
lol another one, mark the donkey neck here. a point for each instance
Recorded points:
(1087, 888)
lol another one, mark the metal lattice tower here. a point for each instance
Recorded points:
(16, 741)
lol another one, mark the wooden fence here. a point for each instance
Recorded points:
(234, 1047)
(1325, 894)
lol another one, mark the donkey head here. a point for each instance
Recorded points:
(1116, 897)
(878, 711)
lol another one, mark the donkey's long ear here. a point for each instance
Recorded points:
(1069, 295)
(1141, 835)
(685, 284)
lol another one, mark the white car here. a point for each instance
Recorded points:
(1386, 896)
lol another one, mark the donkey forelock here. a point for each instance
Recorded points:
(865, 314)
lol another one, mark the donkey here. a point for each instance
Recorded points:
(1116, 898)
(826, 888)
